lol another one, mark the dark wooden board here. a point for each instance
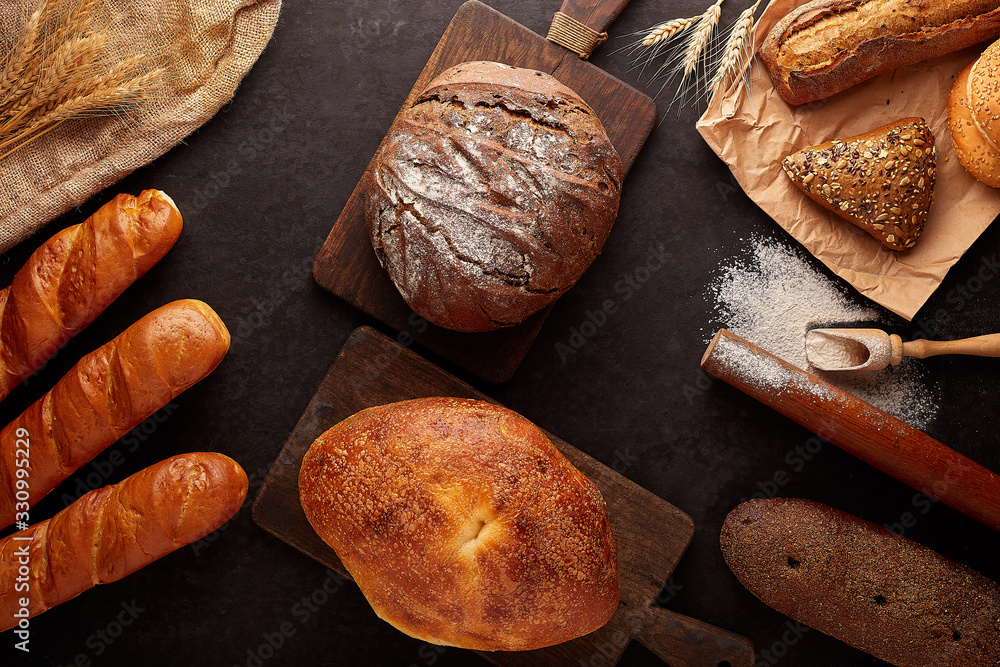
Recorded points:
(651, 533)
(346, 264)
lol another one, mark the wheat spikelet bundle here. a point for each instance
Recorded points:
(697, 63)
(736, 54)
(63, 67)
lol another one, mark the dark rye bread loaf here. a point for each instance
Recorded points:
(826, 46)
(863, 584)
(491, 195)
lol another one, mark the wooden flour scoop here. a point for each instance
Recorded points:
(874, 349)
(347, 266)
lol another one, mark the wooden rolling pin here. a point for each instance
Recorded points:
(874, 436)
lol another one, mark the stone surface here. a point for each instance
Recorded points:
(261, 184)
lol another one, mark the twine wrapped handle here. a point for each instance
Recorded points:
(580, 25)
(581, 39)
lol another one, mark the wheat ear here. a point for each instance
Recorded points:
(692, 76)
(107, 101)
(666, 31)
(736, 54)
(83, 82)
(71, 59)
(17, 77)
(648, 45)
(700, 38)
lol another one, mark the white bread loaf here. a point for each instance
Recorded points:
(463, 525)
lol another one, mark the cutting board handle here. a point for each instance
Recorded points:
(681, 641)
(581, 25)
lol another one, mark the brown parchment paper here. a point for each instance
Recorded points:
(754, 138)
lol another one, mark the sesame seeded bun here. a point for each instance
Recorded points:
(975, 153)
(463, 525)
(984, 95)
(974, 117)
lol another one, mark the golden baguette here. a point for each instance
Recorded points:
(107, 394)
(76, 274)
(111, 532)
(826, 46)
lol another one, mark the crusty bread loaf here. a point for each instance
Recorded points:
(491, 195)
(973, 150)
(826, 46)
(111, 532)
(109, 392)
(463, 525)
(76, 274)
(863, 584)
(881, 181)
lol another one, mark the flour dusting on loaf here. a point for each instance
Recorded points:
(463, 525)
(491, 195)
(825, 46)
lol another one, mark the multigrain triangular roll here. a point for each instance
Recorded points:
(882, 181)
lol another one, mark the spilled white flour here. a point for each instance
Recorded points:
(772, 295)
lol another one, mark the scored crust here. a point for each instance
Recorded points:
(881, 181)
(463, 525)
(491, 195)
(973, 150)
(825, 46)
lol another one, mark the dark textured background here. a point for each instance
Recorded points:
(260, 186)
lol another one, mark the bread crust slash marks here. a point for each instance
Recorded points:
(74, 275)
(491, 195)
(113, 531)
(882, 181)
(826, 46)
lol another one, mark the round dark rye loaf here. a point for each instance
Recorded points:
(863, 584)
(491, 195)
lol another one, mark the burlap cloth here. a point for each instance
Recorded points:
(215, 43)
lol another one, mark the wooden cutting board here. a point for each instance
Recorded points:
(346, 264)
(651, 533)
